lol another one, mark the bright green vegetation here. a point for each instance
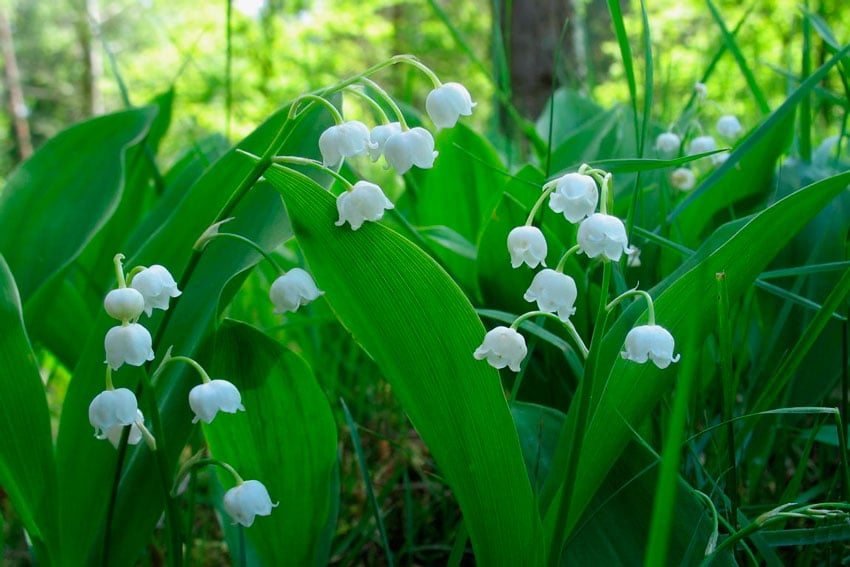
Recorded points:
(384, 441)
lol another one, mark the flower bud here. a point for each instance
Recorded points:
(575, 195)
(447, 103)
(209, 398)
(292, 290)
(602, 234)
(502, 347)
(130, 344)
(124, 303)
(112, 408)
(650, 342)
(701, 145)
(729, 127)
(553, 292)
(365, 202)
(527, 244)
(411, 147)
(157, 286)
(683, 179)
(246, 500)
(668, 143)
(379, 136)
(344, 140)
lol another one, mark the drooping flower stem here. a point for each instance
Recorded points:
(567, 324)
(563, 261)
(205, 378)
(314, 164)
(109, 385)
(414, 62)
(249, 242)
(387, 99)
(119, 270)
(196, 461)
(631, 292)
(547, 190)
(293, 110)
(373, 104)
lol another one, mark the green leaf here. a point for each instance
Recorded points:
(685, 305)
(421, 331)
(56, 202)
(27, 468)
(286, 439)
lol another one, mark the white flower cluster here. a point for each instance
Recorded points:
(130, 343)
(576, 196)
(402, 148)
(669, 144)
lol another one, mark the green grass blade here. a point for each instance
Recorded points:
(367, 482)
(628, 61)
(420, 329)
(732, 45)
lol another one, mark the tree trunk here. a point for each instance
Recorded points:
(17, 106)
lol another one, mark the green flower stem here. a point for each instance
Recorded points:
(547, 190)
(571, 329)
(196, 462)
(314, 164)
(384, 119)
(293, 110)
(412, 61)
(109, 385)
(563, 261)
(205, 378)
(631, 292)
(119, 270)
(387, 99)
(249, 242)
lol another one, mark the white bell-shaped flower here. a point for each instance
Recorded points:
(209, 398)
(411, 147)
(702, 91)
(668, 143)
(365, 202)
(553, 292)
(633, 260)
(292, 290)
(502, 347)
(246, 500)
(345, 140)
(124, 303)
(701, 145)
(603, 234)
(575, 195)
(683, 179)
(114, 433)
(157, 286)
(112, 408)
(650, 342)
(447, 103)
(729, 126)
(130, 344)
(527, 244)
(379, 136)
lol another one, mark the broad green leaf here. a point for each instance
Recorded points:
(56, 202)
(286, 439)
(27, 467)
(684, 304)
(421, 331)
